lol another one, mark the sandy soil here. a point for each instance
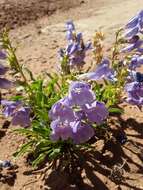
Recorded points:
(38, 42)
(15, 13)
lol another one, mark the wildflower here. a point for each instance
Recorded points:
(74, 54)
(20, 115)
(10, 107)
(103, 71)
(135, 25)
(62, 112)
(70, 30)
(82, 132)
(77, 131)
(136, 61)
(135, 93)
(132, 32)
(60, 130)
(4, 83)
(80, 94)
(96, 112)
(134, 46)
(70, 25)
(79, 84)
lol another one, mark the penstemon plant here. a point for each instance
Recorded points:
(60, 114)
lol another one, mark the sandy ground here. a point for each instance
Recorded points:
(38, 42)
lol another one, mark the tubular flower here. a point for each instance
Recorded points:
(135, 93)
(103, 71)
(136, 46)
(74, 53)
(96, 112)
(80, 94)
(60, 130)
(136, 62)
(134, 26)
(81, 132)
(62, 111)
(20, 115)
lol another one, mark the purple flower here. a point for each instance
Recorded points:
(135, 89)
(70, 25)
(79, 84)
(10, 107)
(60, 130)
(80, 94)
(132, 22)
(135, 92)
(20, 115)
(74, 54)
(81, 132)
(135, 46)
(96, 112)
(79, 37)
(77, 131)
(134, 26)
(136, 61)
(77, 60)
(70, 30)
(135, 101)
(60, 110)
(4, 83)
(2, 55)
(132, 32)
(73, 48)
(102, 71)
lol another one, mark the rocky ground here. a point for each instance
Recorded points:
(37, 27)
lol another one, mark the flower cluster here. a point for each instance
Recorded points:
(73, 117)
(134, 85)
(20, 115)
(74, 53)
(135, 93)
(4, 83)
(103, 71)
(135, 25)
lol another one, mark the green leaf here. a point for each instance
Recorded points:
(55, 153)
(41, 157)
(16, 98)
(116, 110)
(25, 148)
(30, 74)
